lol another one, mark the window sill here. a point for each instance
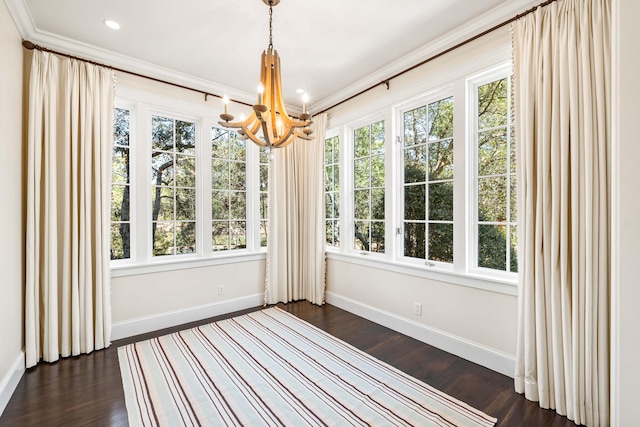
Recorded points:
(157, 266)
(477, 281)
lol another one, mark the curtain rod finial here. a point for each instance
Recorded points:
(28, 45)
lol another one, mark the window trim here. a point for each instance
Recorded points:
(472, 82)
(143, 105)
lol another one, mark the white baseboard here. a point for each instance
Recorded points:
(146, 324)
(474, 352)
(10, 381)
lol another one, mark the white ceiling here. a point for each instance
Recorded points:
(331, 48)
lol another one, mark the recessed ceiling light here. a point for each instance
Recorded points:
(299, 91)
(112, 24)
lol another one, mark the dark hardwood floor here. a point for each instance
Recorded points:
(87, 390)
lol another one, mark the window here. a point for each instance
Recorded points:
(229, 191)
(121, 186)
(448, 193)
(332, 190)
(369, 181)
(264, 183)
(173, 181)
(428, 181)
(495, 178)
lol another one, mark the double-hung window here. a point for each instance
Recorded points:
(121, 185)
(332, 190)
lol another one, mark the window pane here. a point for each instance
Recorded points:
(415, 202)
(121, 126)
(362, 141)
(414, 240)
(185, 204)
(513, 234)
(263, 233)
(220, 236)
(185, 171)
(440, 160)
(163, 203)
(377, 237)
(263, 205)
(377, 138)
(492, 104)
(328, 178)
(415, 164)
(492, 246)
(513, 214)
(441, 242)
(415, 126)
(492, 152)
(238, 201)
(120, 165)
(238, 234)
(120, 241)
(362, 210)
(220, 205)
(161, 133)
(185, 237)
(362, 173)
(238, 148)
(117, 196)
(492, 199)
(441, 201)
(219, 143)
(161, 168)
(237, 176)
(220, 174)
(377, 203)
(163, 237)
(377, 171)
(441, 119)
(186, 137)
(361, 241)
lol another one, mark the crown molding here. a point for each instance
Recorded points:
(20, 13)
(470, 29)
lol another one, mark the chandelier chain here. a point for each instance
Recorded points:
(270, 25)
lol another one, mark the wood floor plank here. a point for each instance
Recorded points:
(87, 390)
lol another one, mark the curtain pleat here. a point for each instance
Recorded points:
(67, 293)
(562, 109)
(296, 232)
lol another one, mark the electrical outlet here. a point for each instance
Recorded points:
(417, 309)
(220, 289)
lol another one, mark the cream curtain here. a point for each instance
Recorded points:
(67, 294)
(562, 97)
(296, 230)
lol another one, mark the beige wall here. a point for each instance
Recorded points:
(11, 212)
(154, 294)
(484, 318)
(626, 215)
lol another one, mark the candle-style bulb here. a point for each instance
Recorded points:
(260, 93)
(305, 100)
(225, 100)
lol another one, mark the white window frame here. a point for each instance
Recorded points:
(133, 191)
(347, 188)
(143, 105)
(417, 102)
(473, 82)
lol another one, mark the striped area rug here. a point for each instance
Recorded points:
(271, 368)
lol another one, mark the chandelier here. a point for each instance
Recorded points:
(269, 124)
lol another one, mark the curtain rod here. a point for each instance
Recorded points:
(31, 46)
(438, 55)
